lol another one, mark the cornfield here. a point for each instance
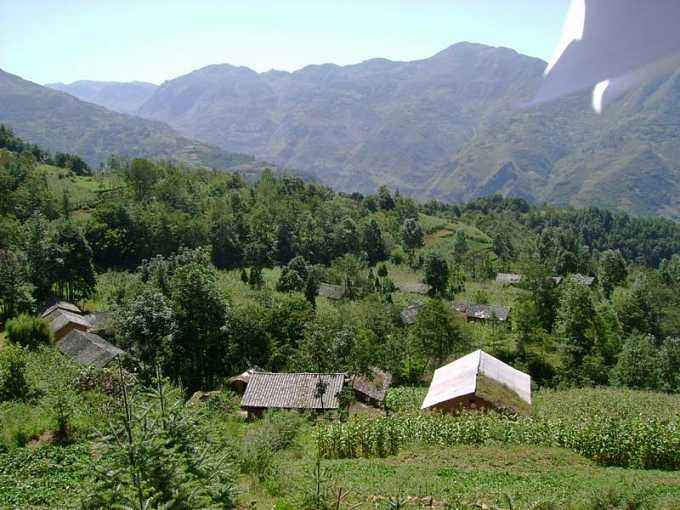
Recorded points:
(636, 442)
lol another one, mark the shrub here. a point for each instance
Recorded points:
(28, 331)
(13, 384)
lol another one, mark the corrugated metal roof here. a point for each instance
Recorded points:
(483, 312)
(88, 349)
(459, 378)
(292, 391)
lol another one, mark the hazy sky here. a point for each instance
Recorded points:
(154, 40)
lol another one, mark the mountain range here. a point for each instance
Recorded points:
(451, 127)
(122, 97)
(60, 122)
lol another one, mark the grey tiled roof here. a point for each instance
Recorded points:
(410, 314)
(292, 391)
(331, 291)
(483, 312)
(374, 386)
(415, 288)
(63, 318)
(54, 306)
(88, 349)
(508, 278)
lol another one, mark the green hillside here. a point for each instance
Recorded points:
(61, 123)
(205, 275)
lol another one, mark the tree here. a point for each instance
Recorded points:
(460, 245)
(146, 326)
(156, 455)
(385, 200)
(40, 252)
(412, 234)
(373, 243)
(612, 271)
(639, 364)
(201, 343)
(289, 281)
(256, 280)
(285, 244)
(575, 324)
(436, 274)
(346, 237)
(312, 288)
(227, 252)
(635, 308)
(13, 382)
(28, 331)
(16, 294)
(141, 174)
(436, 330)
(74, 271)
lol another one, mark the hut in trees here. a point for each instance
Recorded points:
(303, 391)
(479, 381)
(54, 306)
(371, 389)
(88, 349)
(577, 277)
(409, 314)
(238, 383)
(482, 313)
(508, 278)
(333, 292)
(62, 322)
(414, 288)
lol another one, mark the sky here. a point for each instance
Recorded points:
(153, 40)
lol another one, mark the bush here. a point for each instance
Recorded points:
(28, 331)
(13, 384)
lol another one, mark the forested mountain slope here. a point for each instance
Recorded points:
(450, 127)
(116, 96)
(60, 122)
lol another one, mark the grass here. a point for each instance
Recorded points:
(473, 474)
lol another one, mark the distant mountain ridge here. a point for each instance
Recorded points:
(447, 127)
(60, 122)
(122, 97)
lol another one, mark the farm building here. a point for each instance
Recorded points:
(372, 389)
(63, 322)
(482, 312)
(54, 306)
(508, 278)
(88, 349)
(334, 292)
(579, 278)
(308, 391)
(409, 314)
(414, 288)
(239, 382)
(479, 381)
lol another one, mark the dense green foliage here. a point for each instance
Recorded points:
(206, 275)
(28, 331)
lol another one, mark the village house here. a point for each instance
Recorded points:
(88, 349)
(302, 391)
(414, 288)
(482, 313)
(62, 322)
(238, 383)
(577, 277)
(479, 381)
(372, 389)
(333, 292)
(409, 314)
(508, 278)
(54, 307)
